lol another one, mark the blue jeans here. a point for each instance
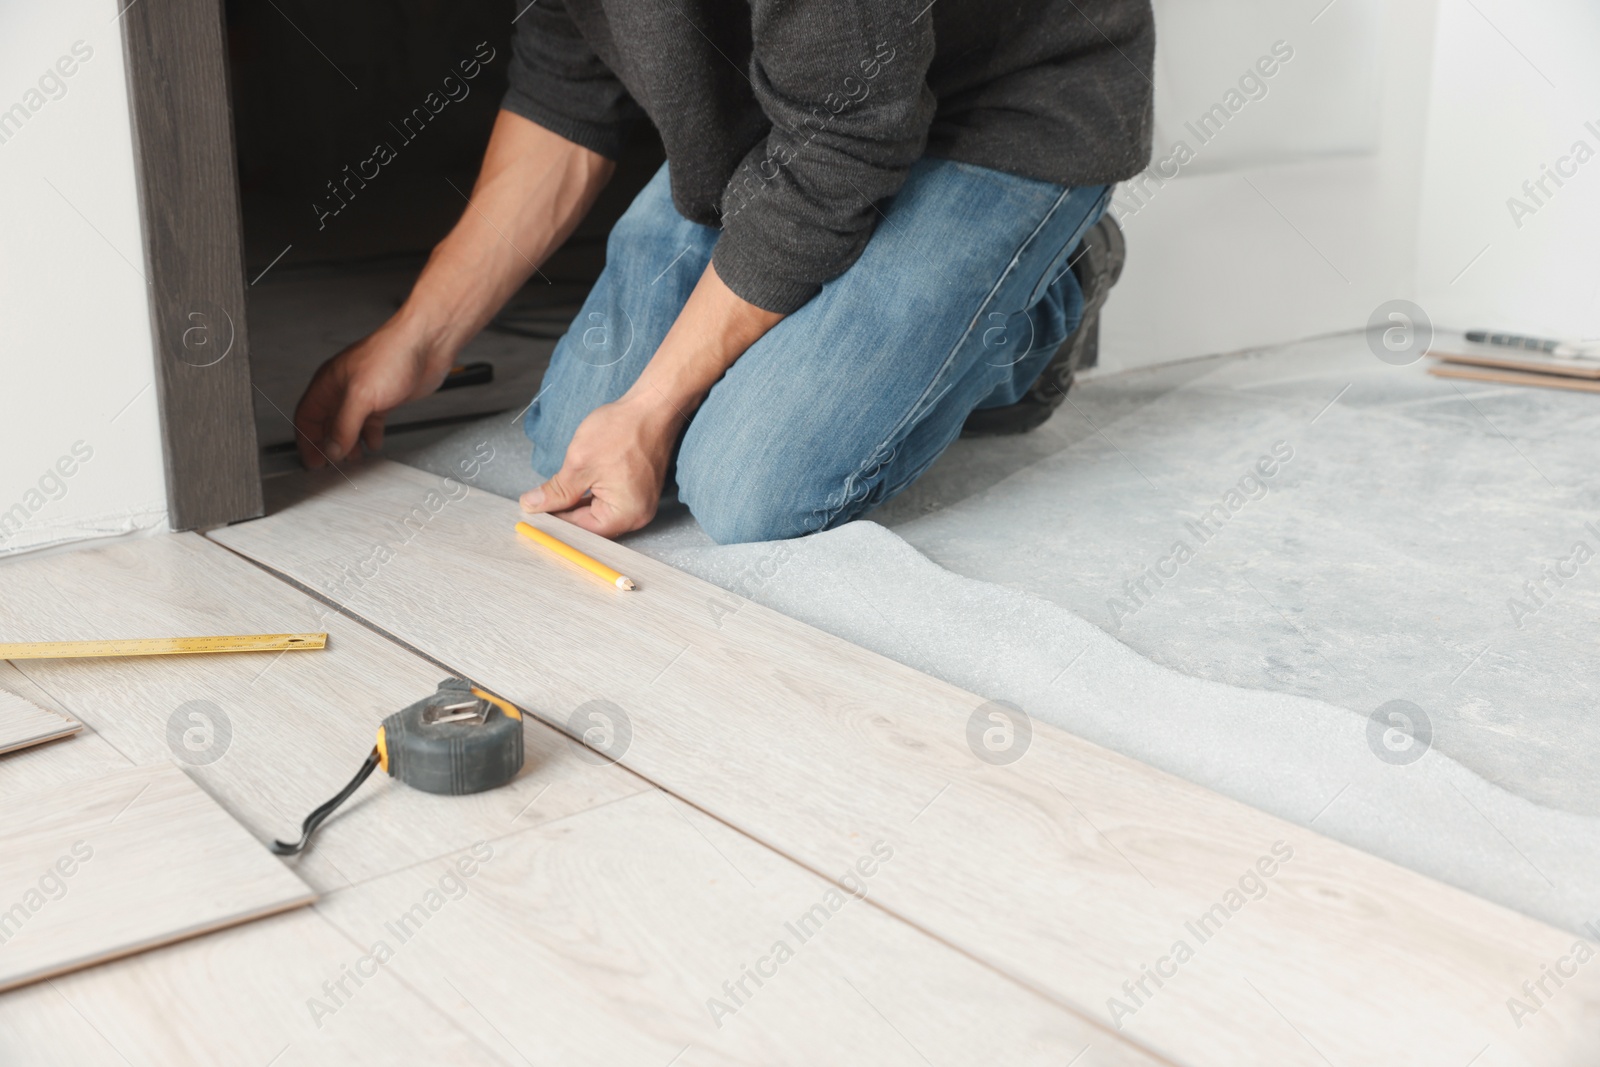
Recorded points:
(958, 302)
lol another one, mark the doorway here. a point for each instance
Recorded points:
(359, 128)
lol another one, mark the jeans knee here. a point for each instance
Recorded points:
(735, 503)
(742, 518)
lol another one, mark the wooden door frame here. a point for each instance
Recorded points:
(175, 52)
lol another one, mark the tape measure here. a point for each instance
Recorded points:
(161, 646)
(458, 740)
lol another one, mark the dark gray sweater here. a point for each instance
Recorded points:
(786, 121)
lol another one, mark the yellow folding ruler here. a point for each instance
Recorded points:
(161, 646)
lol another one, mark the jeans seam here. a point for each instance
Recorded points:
(832, 511)
(1043, 286)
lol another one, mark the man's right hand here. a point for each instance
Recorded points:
(532, 191)
(352, 392)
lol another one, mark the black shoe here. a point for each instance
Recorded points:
(1097, 265)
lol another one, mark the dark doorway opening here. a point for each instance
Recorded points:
(360, 128)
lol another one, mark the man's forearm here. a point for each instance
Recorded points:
(533, 190)
(712, 331)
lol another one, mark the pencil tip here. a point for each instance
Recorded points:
(626, 583)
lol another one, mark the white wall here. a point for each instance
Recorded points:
(76, 367)
(1327, 103)
(1299, 217)
(1515, 83)
(1377, 165)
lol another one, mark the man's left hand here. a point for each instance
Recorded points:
(611, 479)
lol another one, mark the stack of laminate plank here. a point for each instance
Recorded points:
(1456, 357)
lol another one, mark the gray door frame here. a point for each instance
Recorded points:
(177, 68)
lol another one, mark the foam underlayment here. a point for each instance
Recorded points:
(1381, 562)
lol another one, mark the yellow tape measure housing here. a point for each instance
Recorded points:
(161, 646)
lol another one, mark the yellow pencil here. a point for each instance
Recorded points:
(561, 548)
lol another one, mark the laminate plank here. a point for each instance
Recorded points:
(638, 934)
(13, 679)
(42, 766)
(24, 723)
(122, 863)
(1514, 377)
(45, 765)
(1074, 870)
(275, 735)
(1460, 350)
(235, 997)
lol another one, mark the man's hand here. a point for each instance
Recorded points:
(610, 481)
(533, 189)
(612, 477)
(352, 392)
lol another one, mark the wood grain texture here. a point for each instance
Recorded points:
(1514, 377)
(1517, 359)
(1071, 870)
(597, 937)
(46, 765)
(24, 723)
(237, 997)
(32, 769)
(621, 937)
(176, 59)
(286, 731)
(114, 865)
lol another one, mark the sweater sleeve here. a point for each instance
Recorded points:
(844, 84)
(557, 81)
